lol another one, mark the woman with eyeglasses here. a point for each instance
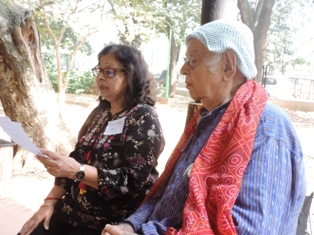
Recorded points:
(113, 165)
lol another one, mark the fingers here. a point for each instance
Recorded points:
(51, 161)
(32, 223)
(46, 162)
(46, 223)
(41, 158)
(110, 230)
(104, 232)
(58, 165)
(121, 229)
(29, 226)
(50, 154)
(49, 169)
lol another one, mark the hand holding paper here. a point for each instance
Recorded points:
(18, 136)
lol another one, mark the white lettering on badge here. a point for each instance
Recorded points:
(115, 127)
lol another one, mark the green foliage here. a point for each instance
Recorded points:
(137, 20)
(70, 37)
(287, 19)
(64, 30)
(81, 82)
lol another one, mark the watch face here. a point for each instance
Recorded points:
(80, 175)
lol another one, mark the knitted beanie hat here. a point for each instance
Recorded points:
(223, 34)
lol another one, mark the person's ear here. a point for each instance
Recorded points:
(230, 64)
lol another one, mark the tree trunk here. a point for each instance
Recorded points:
(173, 62)
(26, 92)
(217, 9)
(258, 22)
(259, 60)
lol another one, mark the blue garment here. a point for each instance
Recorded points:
(273, 185)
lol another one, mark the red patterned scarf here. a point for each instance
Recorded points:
(217, 172)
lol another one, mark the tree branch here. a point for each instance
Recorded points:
(264, 22)
(73, 54)
(246, 13)
(258, 10)
(47, 24)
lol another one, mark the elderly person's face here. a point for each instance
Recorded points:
(210, 87)
(111, 83)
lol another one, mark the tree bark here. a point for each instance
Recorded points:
(217, 9)
(26, 92)
(173, 62)
(259, 22)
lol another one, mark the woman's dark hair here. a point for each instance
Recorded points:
(139, 81)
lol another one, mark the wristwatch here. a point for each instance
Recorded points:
(80, 174)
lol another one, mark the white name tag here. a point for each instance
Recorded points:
(115, 127)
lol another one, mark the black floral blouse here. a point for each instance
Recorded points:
(126, 161)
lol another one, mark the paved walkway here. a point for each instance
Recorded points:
(27, 195)
(12, 216)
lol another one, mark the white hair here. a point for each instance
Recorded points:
(212, 62)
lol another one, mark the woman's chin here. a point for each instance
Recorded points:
(104, 96)
(103, 93)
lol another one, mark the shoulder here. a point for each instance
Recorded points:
(100, 108)
(275, 122)
(142, 117)
(276, 129)
(142, 109)
(273, 112)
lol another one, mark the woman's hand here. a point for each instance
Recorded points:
(58, 165)
(121, 229)
(44, 213)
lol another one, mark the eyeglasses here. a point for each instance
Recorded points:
(191, 61)
(108, 72)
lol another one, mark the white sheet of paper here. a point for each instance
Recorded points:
(115, 127)
(18, 136)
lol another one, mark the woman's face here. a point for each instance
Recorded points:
(112, 89)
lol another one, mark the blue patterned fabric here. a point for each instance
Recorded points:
(273, 186)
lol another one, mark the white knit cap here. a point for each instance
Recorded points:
(223, 34)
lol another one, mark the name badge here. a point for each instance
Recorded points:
(115, 127)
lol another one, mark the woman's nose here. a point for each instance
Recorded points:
(100, 76)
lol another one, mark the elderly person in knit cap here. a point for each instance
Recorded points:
(238, 167)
